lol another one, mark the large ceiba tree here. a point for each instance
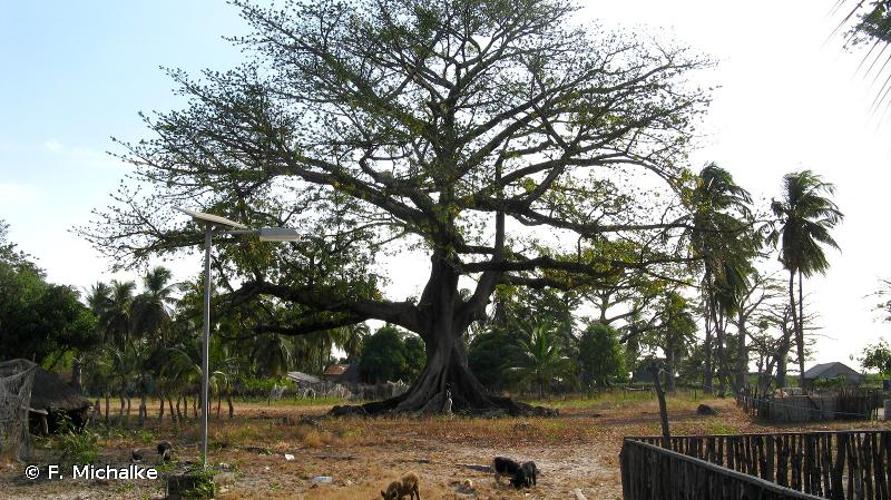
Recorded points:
(502, 138)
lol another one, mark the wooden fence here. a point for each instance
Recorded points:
(844, 404)
(653, 473)
(828, 464)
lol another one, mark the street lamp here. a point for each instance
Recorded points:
(222, 225)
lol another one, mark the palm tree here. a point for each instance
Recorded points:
(117, 320)
(540, 359)
(99, 302)
(153, 308)
(868, 24)
(805, 217)
(675, 333)
(182, 370)
(151, 317)
(121, 362)
(722, 237)
(273, 353)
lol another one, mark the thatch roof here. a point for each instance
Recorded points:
(50, 393)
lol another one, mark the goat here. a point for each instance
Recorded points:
(407, 486)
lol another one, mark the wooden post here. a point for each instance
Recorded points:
(663, 411)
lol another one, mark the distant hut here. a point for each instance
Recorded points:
(342, 373)
(831, 371)
(304, 380)
(52, 401)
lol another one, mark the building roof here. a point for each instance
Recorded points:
(830, 370)
(50, 393)
(336, 370)
(304, 378)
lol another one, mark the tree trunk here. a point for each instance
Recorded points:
(161, 411)
(446, 365)
(782, 359)
(721, 350)
(76, 373)
(742, 356)
(178, 412)
(663, 409)
(173, 416)
(707, 369)
(229, 402)
(670, 359)
(800, 332)
(792, 308)
(107, 417)
(143, 410)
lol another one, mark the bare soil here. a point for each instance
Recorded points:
(577, 450)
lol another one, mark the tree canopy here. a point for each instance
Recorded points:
(503, 139)
(38, 319)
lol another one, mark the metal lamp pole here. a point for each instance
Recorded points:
(205, 348)
(276, 234)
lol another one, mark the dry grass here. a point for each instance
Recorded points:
(578, 449)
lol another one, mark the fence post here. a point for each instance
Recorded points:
(663, 411)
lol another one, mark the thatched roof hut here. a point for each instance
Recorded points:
(52, 399)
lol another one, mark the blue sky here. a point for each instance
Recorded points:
(76, 73)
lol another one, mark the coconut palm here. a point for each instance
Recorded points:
(867, 23)
(117, 320)
(541, 359)
(722, 237)
(805, 216)
(98, 299)
(153, 308)
(182, 370)
(273, 353)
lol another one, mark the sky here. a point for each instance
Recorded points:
(788, 98)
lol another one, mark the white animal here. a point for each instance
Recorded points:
(447, 406)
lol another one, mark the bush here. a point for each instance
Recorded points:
(600, 357)
(77, 447)
(386, 355)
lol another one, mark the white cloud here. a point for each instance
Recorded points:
(53, 145)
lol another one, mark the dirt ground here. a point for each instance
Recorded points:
(578, 450)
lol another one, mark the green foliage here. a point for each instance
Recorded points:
(490, 354)
(415, 357)
(501, 354)
(601, 357)
(722, 235)
(541, 361)
(805, 215)
(387, 357)
(76, 447)
(38, 319)
(368, 131)
(878, 357)
(872, 22)
(673, 333)
(200, 483)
